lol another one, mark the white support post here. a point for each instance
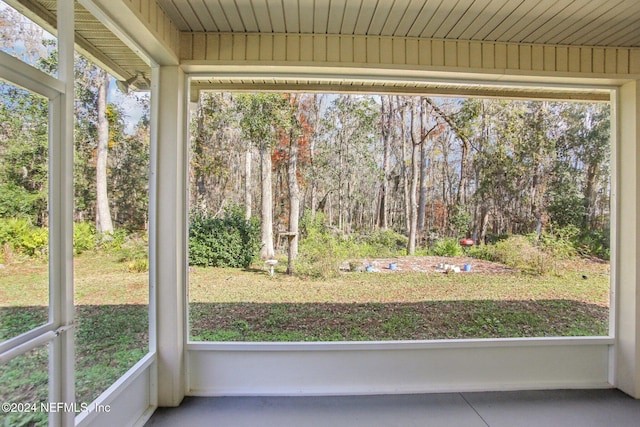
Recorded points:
(62, 354)
(168, 231)
(153, 226)
(627, 255)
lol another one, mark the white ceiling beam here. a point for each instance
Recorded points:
(148, 31)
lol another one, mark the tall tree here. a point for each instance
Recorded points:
(23, 154)
(263, 115)
(419, 134)
(248, 160)
(216, 149)
(387, 127)
(129, 170)
(348, 161)
(104, 224)
(466, 145)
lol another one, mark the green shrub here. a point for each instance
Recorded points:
(380, 244)
(230, 241)
(18, 235)
(138, 265)
(559, 242)
(322, 250)
(595, 243)
(517, 252)
(11, 230)
(319, 252)
(16, 201)
(481, 252)
(116, 241)
(84, 237)
(133, 251)
(36, 242)
(318, 257)
(447, 247)
(460, 220)
(24, 238)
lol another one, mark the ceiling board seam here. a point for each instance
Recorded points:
(270, 18)
(625, 23)
(375, 9)
(435, 12)
(620, 39)
(608, 8)
(540, 11)
(538, 28)
(195, 15)
(234, 6)
(342, 15)
(207, 16)
(446, 17)
(464, 15)
(526, 6)
(393, 13)
(560, 33)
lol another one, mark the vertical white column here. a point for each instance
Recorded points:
(168, 230)
(627, 254)
(153, 250)
(62, 354)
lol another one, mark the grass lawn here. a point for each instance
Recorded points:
(236, 305)
(111, 329)
(249, 305)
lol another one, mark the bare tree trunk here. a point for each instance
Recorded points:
(460, 197)
(314, 198)
(589, 196)
(103, 214)
(294, 204)
(483, 224)
(312, 152)
(415, 168)
(267, 250)
(405, 179)
(340, 176)
(247, 182)
(422, 201)
(330, 210)
(383, 222)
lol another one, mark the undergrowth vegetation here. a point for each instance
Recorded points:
(542, 254)
(232, 241)
(323, 249)
(20, 241)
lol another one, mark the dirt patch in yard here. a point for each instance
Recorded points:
(425, 264)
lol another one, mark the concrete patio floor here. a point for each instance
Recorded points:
(544, 408)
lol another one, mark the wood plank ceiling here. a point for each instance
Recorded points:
(93, 39)
(557, 22)
(613, 23)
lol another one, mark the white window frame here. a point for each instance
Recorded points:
(58, 331)
(301, 368)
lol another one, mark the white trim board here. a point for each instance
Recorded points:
(344, 369)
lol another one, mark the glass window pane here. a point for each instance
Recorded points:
(111, 243)
(23, 39)
(24, 271)
(397, 218)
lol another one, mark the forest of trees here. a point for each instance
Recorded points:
(421, 166)
(111, 165)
